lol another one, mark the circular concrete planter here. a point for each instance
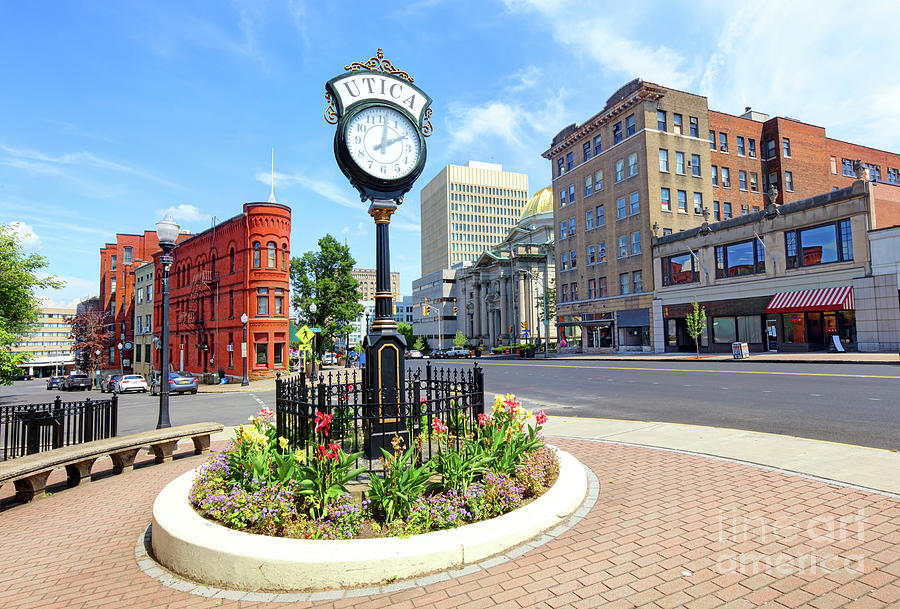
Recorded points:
(204, 551)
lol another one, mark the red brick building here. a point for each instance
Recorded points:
(751, 152)
(239, 266)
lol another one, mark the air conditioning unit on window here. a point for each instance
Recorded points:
(723, 148)
(752, 154)
(229, 347)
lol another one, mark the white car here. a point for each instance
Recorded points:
(131, 382)
(457, 352)
(329, 358)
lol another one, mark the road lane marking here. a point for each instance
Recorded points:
(644, 369)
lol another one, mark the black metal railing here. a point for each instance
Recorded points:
(366, 419)
(26, 429)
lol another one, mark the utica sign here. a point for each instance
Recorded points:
(354, 87)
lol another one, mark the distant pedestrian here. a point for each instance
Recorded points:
(362, 359)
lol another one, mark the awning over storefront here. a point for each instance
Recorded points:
(822, 299)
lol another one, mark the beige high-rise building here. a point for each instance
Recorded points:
(467, 210)
(366, 279)
(48, 342)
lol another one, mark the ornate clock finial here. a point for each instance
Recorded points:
(378, 63)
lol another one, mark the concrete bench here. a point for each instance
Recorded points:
(30, 473)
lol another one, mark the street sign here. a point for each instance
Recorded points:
(524, 333)
(305, 347)
(305, 334)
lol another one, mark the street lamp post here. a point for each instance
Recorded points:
(97, 376)
(166, 232)
(312, 314)
(244, 381)
(121, 362)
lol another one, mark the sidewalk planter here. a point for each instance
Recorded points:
(210, 553)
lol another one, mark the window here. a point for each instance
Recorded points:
(570, 161)
(598, 145)
(789, 181)
(679, 269)
(698, 203)
(726, 177)
(562, 198)
(231, 256)
(873, 172)
(752, 144)
(744, 328)
(127, 255)
(139, 296)
(565, 261)
(589, 219)
(112, 355)
(588, 186)
(270, 257)
(601, 216)
(284, 256)
(893, 176)
(695, 165)
(737, 259)
(624, 283)
(715, 175)
(560, 166)
(635, 243)
(629, 126)
(637, 281)
(667, 231)
(231, 304)
(262, 301)
(661, 120)
(586, 148)
(663, 159)
(745, 209)
(592, 288)
(620, 170)
(278, 353)
(574, 291)
(563, 226)
(717, 211)
(598, 181)
(723, 142)
(786, 146)
(150, 292)
(620, 208)
(634, 207)
(712, 140)
(770, 149)
(742, 179)
(112, 285)
(676, 124)
(740, 145)
(846, 169)
(623, 246)
(726, 210)
(279, 301)
(256, 254)
(571, 193)
(262, 354)
(694, 126)
(617, 133)
(572, 226)
(819, 245)
(112, 263)
(591, 255)
(601, 288)
(632, 164)
(754, 181)
(682, 202)
(679, 163)
(601, 252)
(664, 197)
(573, 260)
(772, 180)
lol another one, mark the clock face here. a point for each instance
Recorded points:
(383, 142)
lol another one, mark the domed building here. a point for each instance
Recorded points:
(502, 293)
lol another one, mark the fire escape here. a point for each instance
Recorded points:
(191, 319)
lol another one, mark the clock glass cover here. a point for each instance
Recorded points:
(383, 142)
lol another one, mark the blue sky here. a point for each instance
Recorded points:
(114, 112)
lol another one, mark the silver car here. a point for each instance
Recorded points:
(177, 384)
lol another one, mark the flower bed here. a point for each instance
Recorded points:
(259, 485)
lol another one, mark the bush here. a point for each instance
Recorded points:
(537, 471)
(497, 494)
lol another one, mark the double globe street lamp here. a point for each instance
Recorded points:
(166, 232)
(244, 381)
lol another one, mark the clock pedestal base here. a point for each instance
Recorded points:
(385, 394)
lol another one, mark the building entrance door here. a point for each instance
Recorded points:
(815, 337)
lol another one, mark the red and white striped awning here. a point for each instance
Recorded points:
(822, 299)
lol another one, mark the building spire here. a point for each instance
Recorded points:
(272, 194)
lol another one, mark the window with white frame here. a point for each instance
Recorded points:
(663, 159)
(621, 210)
(666, 203)
(623, 246)
(620, 170)
(679, 163)
(635, 243)
(634, 205)
(632, 164)
(698, 203)
(589, 219)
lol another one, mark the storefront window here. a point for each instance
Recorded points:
(262, 352)
(736, 259)
(278, 353)
(749, 329)
(794, 324)
(819, 245)
(724, 330)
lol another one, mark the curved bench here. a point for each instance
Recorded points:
(30, 473)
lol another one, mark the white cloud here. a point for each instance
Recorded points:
(74, 291)
(184, 212)
(26, 236)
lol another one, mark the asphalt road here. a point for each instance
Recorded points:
(851, 403)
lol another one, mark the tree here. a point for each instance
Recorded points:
(324, 278)
(91, 333)
(19, 279)
(696, 324)
(419, 344)
(460, 339)
(406, 330)
(551, 304)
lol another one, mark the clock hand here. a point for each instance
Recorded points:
(384, 137)
(392, 142)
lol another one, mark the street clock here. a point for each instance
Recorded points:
(382, 121)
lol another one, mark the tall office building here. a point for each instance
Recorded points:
(48, 342)
(366, 279)
(467, 210)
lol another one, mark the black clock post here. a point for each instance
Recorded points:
(382, 120)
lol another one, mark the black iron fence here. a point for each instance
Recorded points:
(26, 429)
(367, 419)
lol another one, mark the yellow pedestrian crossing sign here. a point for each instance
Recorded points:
(305, 335)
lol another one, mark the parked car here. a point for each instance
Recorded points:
(457, 352)
(108, 384)
(177, 384)
(75, 381)
(329, 358)
(438, 354)
(53, 382)
(131, 382)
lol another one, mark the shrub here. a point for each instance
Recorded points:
(443, 511)
(495, 495)
(537, 471)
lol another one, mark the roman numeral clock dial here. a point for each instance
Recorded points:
(383, 142)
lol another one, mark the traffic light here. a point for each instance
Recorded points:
(426, 310)
(454, 310)
(524, 325)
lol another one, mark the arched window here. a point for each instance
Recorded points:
(270, 255)
(256, 254)
(231, 255)
(212, 263)
(284, 256)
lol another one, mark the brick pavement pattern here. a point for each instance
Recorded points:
(668, 530)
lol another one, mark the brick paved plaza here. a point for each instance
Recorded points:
(668, 530)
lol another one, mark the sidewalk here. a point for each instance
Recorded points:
(780, 358)
(668, 529)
